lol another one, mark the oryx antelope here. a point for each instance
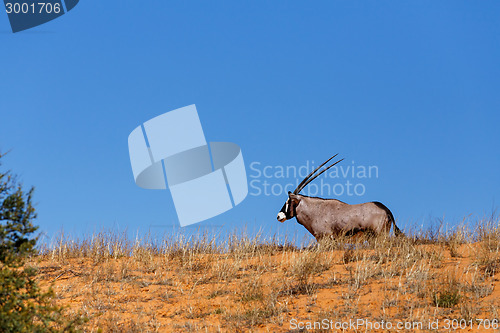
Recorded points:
(331, 217)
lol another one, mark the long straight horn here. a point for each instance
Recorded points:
(300, 187)
(313, 178)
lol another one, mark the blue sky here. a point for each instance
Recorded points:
(410, 87)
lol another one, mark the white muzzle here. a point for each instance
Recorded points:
(281, 217)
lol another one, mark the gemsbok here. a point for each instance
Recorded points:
(331, 217)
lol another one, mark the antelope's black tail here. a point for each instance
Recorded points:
(397, 231)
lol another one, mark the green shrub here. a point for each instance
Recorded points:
(23, 306)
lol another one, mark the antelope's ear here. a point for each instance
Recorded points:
(295, 198)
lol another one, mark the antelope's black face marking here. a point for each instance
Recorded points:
(282, 215)
(286, 211)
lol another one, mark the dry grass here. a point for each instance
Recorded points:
(241, 284)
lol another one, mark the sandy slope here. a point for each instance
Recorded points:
(384, 284)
